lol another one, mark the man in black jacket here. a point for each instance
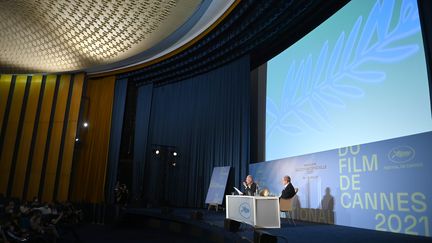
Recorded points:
(249, 186)
(288, 191)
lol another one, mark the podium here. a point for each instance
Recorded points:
(260, 212)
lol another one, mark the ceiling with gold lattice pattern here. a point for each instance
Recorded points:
(61, 36)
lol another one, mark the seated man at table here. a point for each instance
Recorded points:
(288, 191)
(249, 186)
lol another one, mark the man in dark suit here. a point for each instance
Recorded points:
(249, 186)
(288, 191)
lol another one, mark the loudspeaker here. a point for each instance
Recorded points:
(261, 237)
(231, 225)
(197, 215)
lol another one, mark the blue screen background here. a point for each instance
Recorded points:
(348, 117)
(359, 77)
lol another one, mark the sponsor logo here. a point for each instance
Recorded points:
(245, 210)
(401, 154)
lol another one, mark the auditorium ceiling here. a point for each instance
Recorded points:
(44, 36)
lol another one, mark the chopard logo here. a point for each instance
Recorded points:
(401, 154)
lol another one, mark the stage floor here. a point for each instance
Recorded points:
(302, 232)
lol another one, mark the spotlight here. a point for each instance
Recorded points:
(174, 153)
(76, 139)
(157, 151)
(174, 164)
(85, 124)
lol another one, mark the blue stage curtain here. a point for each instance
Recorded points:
(143, 108)
(120, 92)
(207, 119)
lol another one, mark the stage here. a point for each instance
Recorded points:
(204, 225)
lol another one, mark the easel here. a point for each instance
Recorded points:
(215, 205)
(217, 188)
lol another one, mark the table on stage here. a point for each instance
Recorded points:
(261, 212)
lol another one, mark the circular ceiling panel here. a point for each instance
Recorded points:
(61, 36)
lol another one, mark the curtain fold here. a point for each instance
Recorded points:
(206, 119)
(143, 110)
(120, 92)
